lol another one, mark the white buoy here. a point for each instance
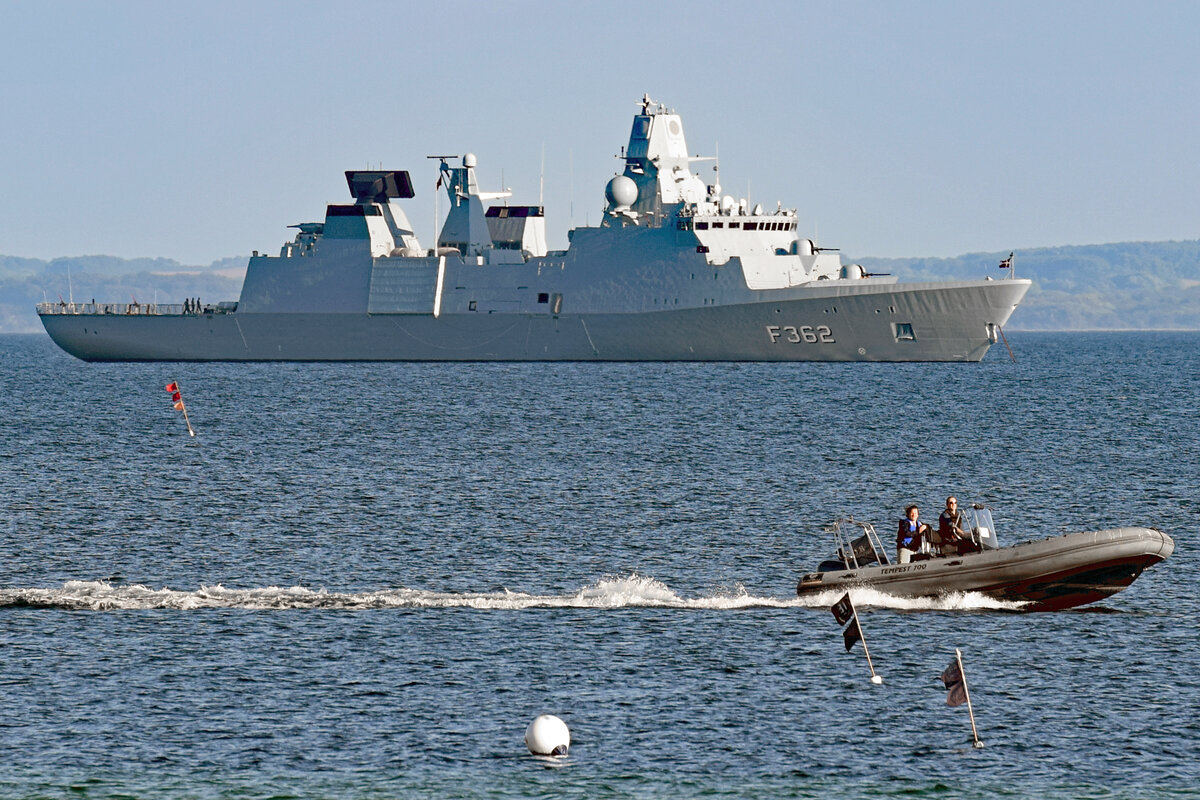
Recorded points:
(547, 736)
(876, 679)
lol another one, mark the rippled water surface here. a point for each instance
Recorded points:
(364, 581)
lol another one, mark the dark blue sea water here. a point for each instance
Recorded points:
(364, 581)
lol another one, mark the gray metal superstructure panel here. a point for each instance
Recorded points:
(403, 286)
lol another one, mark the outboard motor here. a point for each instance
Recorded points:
(977, 520)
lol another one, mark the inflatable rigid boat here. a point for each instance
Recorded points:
(1047, 574)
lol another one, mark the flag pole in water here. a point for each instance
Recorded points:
(957, 692)
(844, 611)
(177, 400)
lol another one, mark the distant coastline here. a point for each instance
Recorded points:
(1105, 287)
(1101, 287)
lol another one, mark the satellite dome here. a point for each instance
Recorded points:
(621, 192)
(469, 160)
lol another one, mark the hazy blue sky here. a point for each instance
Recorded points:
(197, 131)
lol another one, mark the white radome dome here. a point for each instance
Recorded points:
(621, 192)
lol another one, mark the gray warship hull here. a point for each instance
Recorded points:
(1047, 575)
(676, 271)
(849, 323)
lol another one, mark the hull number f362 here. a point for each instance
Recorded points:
(794, 334)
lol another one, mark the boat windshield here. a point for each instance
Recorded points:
(977, 519)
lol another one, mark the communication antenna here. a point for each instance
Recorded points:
(442, 159)
(541, 178)
(717, 173)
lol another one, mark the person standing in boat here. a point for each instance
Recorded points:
(910, 534)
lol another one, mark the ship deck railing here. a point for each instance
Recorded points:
(129, 309)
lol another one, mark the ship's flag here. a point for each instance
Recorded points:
(1007, 263)
(172, 387)
(956, 689)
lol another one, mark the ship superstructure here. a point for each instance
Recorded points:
(676, 270)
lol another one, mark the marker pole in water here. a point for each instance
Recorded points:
(844, 611)
(967, 692)
(177, 399)
(876, 679)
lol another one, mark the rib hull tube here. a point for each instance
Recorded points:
(1047, 575)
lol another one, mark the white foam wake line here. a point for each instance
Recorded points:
(633, 591)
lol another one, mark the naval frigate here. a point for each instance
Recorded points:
(675, 271)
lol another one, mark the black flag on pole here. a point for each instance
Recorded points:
(843, 612)
(957, 693)
(956, 688)
(852, 634)
(843, 609)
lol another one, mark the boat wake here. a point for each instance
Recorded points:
(632, 591)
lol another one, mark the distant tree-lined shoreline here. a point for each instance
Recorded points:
(1126, 286)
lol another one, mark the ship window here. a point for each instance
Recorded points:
(750, 226)
(718, 224)
(471, 306)
(543, 297)
(701, 248)
(701, 226)
(904, 332)
(735, 224)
